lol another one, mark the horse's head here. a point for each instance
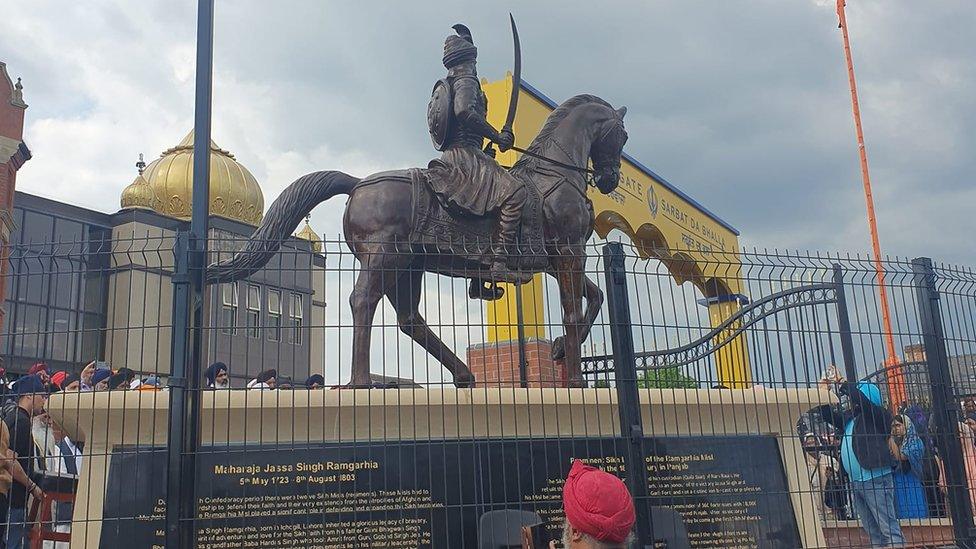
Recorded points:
(584, 128)
(607, 148)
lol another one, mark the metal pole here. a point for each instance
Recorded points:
(628, 398)
(177, 390)
(844, 325)
(520, 327)
(944, 407)
(188, 308)
(896, 385)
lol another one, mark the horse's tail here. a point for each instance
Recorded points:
(282, 218)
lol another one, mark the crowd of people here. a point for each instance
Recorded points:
(878, 467)
(38, 456)
(97, 376)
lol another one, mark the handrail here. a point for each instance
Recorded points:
(802, 296)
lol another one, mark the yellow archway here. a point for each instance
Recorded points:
(664, 223)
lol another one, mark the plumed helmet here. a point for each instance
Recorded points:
(460, 48)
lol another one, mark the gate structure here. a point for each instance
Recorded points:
(930, 381)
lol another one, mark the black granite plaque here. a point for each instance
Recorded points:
(727, 491)
(730, 491)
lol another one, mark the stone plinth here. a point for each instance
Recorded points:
(137, 419)
(497, 364)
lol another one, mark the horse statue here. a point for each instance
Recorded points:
(395, 244)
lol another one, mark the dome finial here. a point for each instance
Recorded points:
(141, 164)
(308, 234)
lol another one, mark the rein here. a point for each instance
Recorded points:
(587, 173)
(554, 162)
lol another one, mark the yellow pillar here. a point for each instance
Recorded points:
(503, 313)
(732, 360)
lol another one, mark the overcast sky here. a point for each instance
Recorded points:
(742, 104)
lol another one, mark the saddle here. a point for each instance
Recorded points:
(438, 229)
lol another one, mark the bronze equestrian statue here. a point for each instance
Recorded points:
(464, 216)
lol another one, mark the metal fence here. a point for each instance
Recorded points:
(699, 371)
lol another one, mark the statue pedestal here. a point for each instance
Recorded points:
(456, 433)
(497, 364)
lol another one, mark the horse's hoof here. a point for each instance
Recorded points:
(558, 350)
(358, 384)
(576, 383)
(464, 381)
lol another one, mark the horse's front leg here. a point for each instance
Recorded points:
(571, 287)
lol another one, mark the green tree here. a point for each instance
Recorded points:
(666, 378)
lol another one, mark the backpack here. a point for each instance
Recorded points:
(835, 489)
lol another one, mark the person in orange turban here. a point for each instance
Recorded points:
(599, 510)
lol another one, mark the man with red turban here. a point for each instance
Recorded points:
(599, 510)
(39, 369)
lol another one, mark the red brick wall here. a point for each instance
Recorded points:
(850, 535)
(497, 364)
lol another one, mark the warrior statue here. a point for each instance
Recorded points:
(464, 215)
(466, 179)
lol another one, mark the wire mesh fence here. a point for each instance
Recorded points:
(710, 382)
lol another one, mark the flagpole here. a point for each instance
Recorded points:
(896, 383)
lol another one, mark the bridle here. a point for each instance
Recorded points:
(588, 173)
(554, 162)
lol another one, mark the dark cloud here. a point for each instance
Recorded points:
(744, 105)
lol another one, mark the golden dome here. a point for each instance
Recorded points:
(308, 234)
(139, 195)
(234, 193)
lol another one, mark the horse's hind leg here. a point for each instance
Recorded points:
(380, 267)
(405, 297)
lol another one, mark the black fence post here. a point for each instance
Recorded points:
(628, 398)
(945, 409)
(844, 324)
(520, 331)
(179, 351)
(189, 284)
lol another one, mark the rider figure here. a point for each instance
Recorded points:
(465, 177)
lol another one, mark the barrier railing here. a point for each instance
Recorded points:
(705, 374)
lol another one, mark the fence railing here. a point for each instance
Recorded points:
(708, 372)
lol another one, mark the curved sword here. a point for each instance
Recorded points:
(516, 79)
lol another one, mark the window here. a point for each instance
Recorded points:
(91, 332)
(228, 308)
(295, 319)
(37, 230)
(28, 332)
(66, 281)
(32, 280)
(61, 335)
(274, 315)
(253, 311)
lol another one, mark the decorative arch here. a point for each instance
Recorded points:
(650, 243)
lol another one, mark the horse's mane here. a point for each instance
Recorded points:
(555, 118)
